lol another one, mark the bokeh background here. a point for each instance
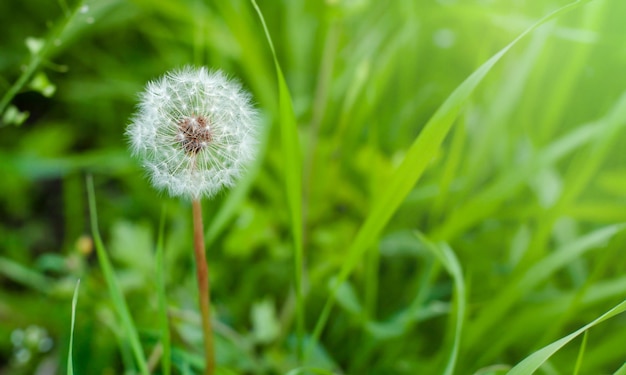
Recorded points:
(528, 189)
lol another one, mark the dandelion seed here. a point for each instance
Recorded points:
(195, 132)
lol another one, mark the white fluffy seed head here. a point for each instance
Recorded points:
(194, 131)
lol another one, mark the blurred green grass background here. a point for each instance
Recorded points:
(528, 190)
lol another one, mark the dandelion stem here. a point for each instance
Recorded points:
(204, 291)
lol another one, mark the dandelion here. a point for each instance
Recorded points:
(195, 132)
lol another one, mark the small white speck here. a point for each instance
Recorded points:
(84, 9)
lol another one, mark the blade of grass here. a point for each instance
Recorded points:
(293, 180)
(450, 262)
(581, 353)
(309, 370)
(561, 310)
(24, 275)
(114, 289)
(501, 108)
(483, 204)
(166, 361)
(70, 363)
(583, 169)
(535, 360)
(621, 370)
(534, 276)
(563, 84)
(419, 155)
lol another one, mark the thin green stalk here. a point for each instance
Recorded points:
(448, 259)
(70, 365)
(204, 290)
(166, 361)
(581, 353)
(37, 57)
(532, 363)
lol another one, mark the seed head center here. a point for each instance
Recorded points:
(194, 133)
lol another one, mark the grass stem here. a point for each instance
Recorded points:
(204, 291)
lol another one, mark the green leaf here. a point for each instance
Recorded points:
(42, 84)
(13, 116)
(34, 45)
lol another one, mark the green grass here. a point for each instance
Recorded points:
(70, 357)
(164, 321)
(129, 330)
(441, 189)
(290, 145)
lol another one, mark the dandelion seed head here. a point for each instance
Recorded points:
(194, 131)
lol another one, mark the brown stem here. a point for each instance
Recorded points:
(204, 291)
